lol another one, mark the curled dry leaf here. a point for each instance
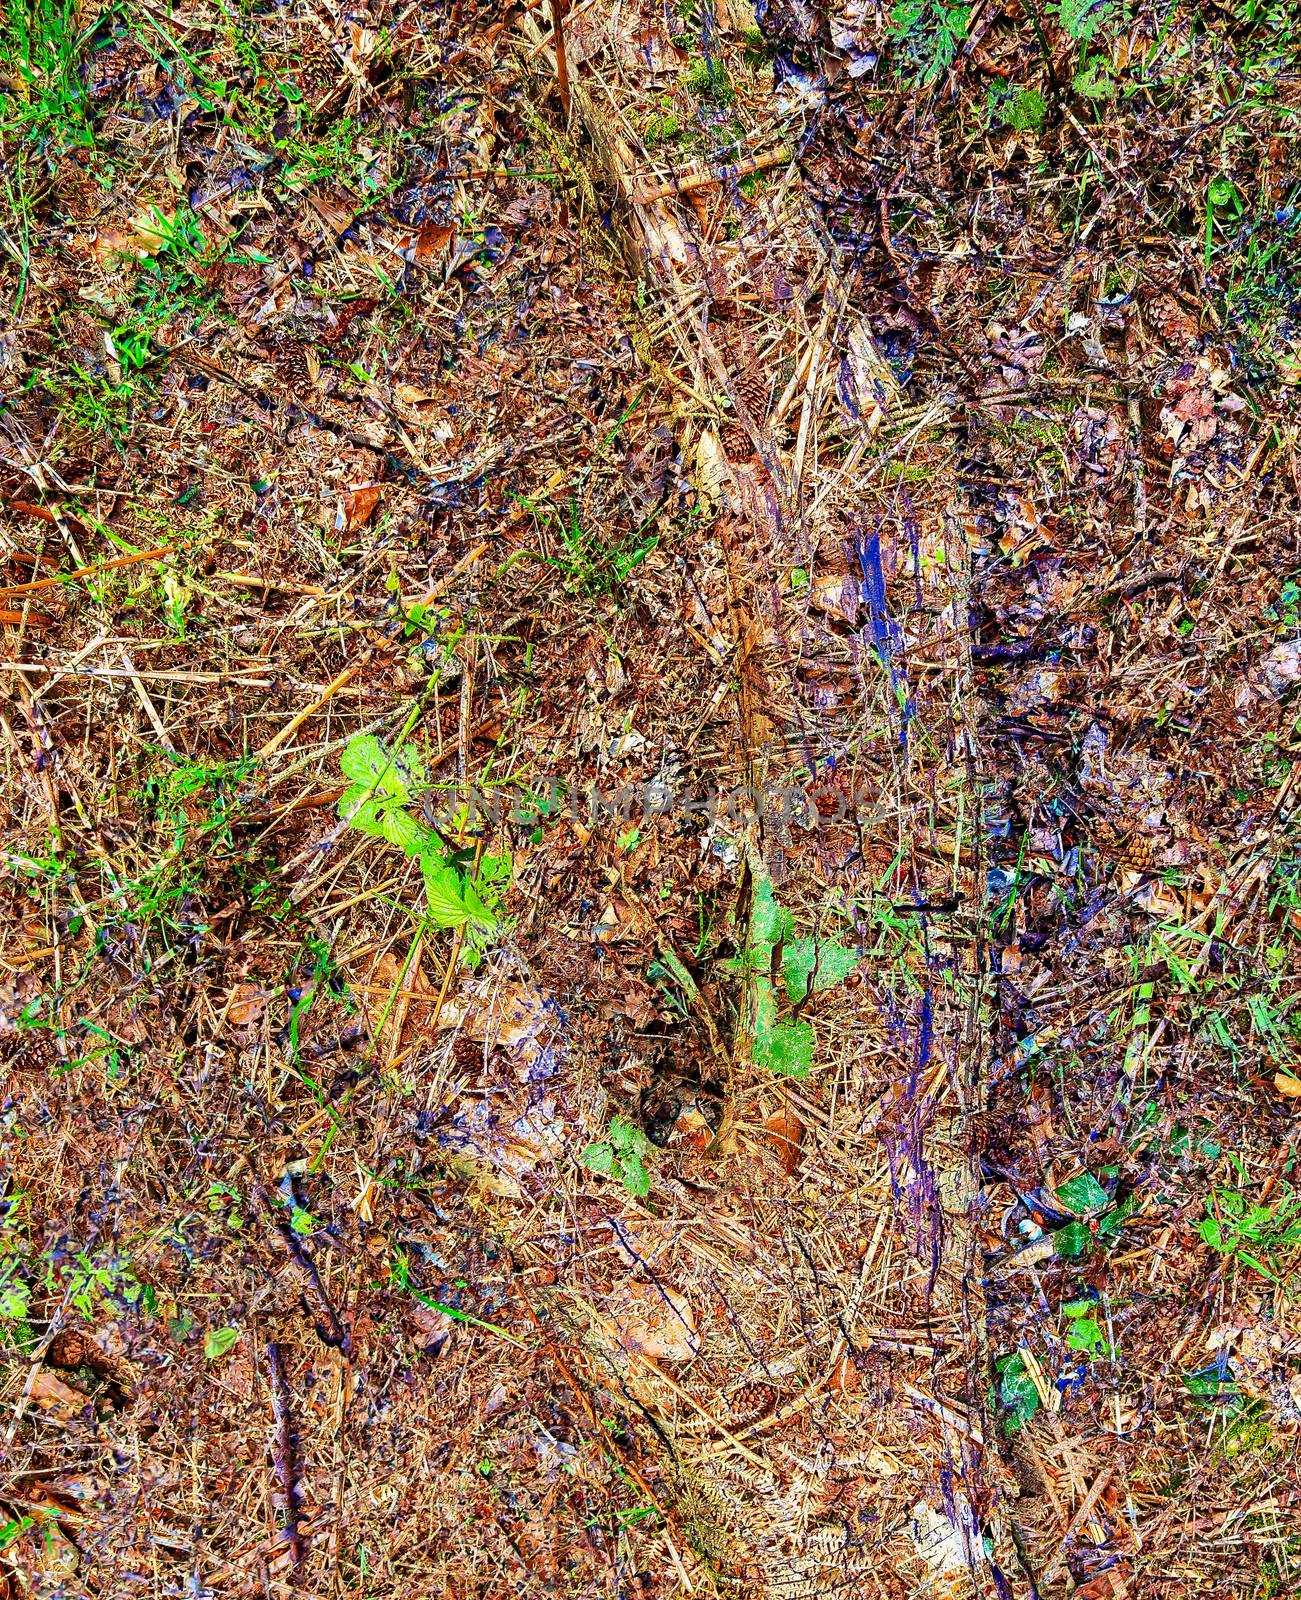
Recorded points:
(653, 1320)
(51, 1393)
(432, 240)
(246, 1004)
(357, 507)
(1288, 1085)
(711, 468)
(785, 1133)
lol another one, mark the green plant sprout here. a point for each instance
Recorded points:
(1256, 1235)
(382, 785)
(1084, 19)
(1084, 1331)
(622, 1154)
(929, 33)
(808, 965)
(219, 1342)
(1098, 1218)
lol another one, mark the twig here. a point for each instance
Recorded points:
(711, 178)
(558, 8)
(87, 572)
(292, 726)
(283, 1452)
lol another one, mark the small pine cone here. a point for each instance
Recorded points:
(750, 1403)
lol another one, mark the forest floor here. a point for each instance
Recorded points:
(652, 874)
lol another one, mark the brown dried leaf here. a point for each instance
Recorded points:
(246, 1004)
(654, 1321)
(785, 1134)
(53, 1394)
(358, 507)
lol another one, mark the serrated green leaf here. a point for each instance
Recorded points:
(1093, 81)
(769, 922)
(475, 909)
(824, 961)
(1083, 1195)
(787, 1050)
(599, 1158)
(1209, 1229)
(1072, 1240)
(444, 894)
(494, 868)
(636, 1179)
(402, 829)
(626, 1135)
(394, 775)
(361, 810)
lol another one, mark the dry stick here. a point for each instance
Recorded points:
(292, 726)
(283, 1452)
(705, 178)
(87, 572)
(330, 1329)
(558, 8)
(1077, 1522)
(143, 695)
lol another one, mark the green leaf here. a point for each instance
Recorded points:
(636, 1179)
(1211, 1234)
(220, 1342)
(494, 869)
(599, 1158)
(765, 1014)
(1027, 111)
(1016, 1391)
(1083, 1195)
(1093, 81)
(770, 923)
(15, 1300)
(1115, 1220)
(444, 893)
(626, 1135)
(1073, 1240)
(401, 828)
(787, 1050)
(1083, 19)
(824, 961)
(1220, 192)
(1085, 1335)
(369, 764)
(475, 909)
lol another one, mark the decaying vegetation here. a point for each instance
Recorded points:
(652, 874)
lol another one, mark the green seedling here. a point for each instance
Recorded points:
(1084, 1331)
(1084, 19)
(382, 786)
(1257, 1236)
(807, 966)
(219, 1342)
(622, 1154)
(929, 34)
(1098, 1218)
